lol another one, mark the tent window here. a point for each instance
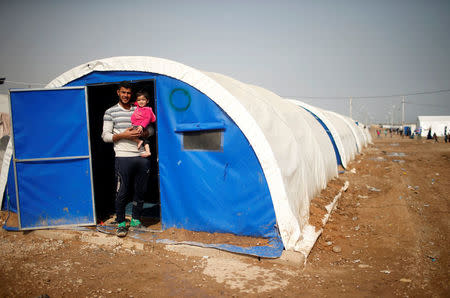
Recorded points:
(209, 140)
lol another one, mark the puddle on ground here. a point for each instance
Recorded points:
(396, 154)
(379, 158)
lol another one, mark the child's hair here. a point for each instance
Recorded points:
(143, 93)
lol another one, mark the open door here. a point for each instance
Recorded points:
(51, 158)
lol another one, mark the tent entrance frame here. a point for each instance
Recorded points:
(69, 157)
(104, 94)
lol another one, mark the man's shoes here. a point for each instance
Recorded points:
(122, 230)
(136, 224)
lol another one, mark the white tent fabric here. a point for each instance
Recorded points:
(359, 135)
(301, 148)
(5, 167)
(366, 133)
(437, 124)
(345, 158)
(355, 131)
(294, 151)
(345, 133)
(4, 103)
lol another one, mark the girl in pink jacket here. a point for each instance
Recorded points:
(141, 118)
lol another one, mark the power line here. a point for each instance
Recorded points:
(426, 105)
(371, 96)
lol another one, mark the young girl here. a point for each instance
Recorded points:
(141, 118)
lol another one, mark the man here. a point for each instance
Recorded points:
(131, 169)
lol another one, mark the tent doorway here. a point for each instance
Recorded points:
(100, 98)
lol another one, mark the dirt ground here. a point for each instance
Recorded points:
(388, 236)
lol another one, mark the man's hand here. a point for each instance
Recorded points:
(129, 134)
(140, 129)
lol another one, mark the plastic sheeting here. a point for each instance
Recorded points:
(273, 250)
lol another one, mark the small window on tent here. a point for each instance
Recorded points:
(208, 140)
(205, 136)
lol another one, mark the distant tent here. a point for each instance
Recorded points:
(437, 124)
(348, 137)
(228, 157)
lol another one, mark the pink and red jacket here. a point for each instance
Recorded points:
(142, 116)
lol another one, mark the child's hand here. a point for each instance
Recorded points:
(139, 129)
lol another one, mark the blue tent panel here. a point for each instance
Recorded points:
(53, 193)
(205, 190)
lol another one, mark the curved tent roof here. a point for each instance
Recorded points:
(345, 133)
(358, 137)
(366, 133)
(297, 163)
(335, 134)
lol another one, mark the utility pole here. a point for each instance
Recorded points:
(403, 111)
(351, 108)
(393, 111)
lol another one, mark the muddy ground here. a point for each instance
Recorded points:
(388, 236)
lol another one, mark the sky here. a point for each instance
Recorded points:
(320, 52)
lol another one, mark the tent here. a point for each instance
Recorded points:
(340, 134)
(228, 157)
(437, 124)
(346, 135)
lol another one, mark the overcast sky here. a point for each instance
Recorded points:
(321, 52)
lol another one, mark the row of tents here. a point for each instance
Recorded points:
(228, 157)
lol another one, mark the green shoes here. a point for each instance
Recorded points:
(122, 230)
(135, 223)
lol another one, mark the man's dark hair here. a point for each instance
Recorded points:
(124, 84)
(143, 92)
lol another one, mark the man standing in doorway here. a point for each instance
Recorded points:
(132, 171)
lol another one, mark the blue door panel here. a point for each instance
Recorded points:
(49, 123)
(54, 193)
(52, 158)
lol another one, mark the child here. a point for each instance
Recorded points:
(141, 118)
